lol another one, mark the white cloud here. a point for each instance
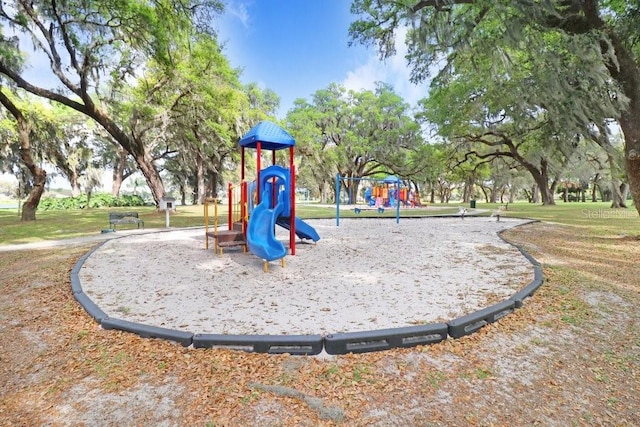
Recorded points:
(239, 11)
(393, 71)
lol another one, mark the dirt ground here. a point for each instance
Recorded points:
(569, 356)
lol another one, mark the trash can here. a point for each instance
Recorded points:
(472, 204)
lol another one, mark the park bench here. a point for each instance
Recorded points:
(124, 218)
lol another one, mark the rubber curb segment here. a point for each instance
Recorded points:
(146, 331)
(471, 322)
(272, 344)
(538, 276)
(538, 280)
(384, 339)
(90, 307)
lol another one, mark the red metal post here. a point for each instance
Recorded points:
(242, 162)
(292, 218)
(258, 166)
(244, 207)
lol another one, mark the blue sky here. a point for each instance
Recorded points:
(296, 47)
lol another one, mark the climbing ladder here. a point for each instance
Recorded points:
(235, 234)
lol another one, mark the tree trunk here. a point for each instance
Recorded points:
(39, 175)
(541, 178)
(183, 194)
(535, 194)
(200, 182)
(614, 167)
(31, 204)
(631, 129)
(594, 188)
(118, 171)
(467, 192)
(353, 195)
(616, 194)
(512, 193)
(492, 191)
(151, 176)
(627, 73)
(321, 193)
(624, 190)
(493, 198)
(75, 186)
(546, 195)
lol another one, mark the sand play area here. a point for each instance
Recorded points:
(364, 275)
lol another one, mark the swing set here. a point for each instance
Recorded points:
(385, 193)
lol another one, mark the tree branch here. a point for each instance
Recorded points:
(36, 90)
(51, 51)
(438, 4)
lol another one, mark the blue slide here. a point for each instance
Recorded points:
(261, 237)
(303, 230)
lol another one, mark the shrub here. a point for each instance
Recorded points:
(98, 200)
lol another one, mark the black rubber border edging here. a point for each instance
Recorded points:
(272, 344)
(384, 339)
(338, 343)
(90, 307)
(147, 331)
(471, 322)
(538, 278)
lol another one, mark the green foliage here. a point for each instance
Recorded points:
(356, 134)
(90, 40)
(561, 68)
(99, 200)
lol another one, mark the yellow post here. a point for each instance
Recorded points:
(215, 222)
(215, 226)
(206, 224)
(266, 267)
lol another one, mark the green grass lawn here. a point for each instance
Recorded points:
(597, 216)
(53, 225)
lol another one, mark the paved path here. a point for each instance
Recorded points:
(82, 240)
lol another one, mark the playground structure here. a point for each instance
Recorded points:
(234, 235)
(258, 207)
(381, 194)
(387, 193)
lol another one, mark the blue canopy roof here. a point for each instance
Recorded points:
(270, 135)
(390, 179)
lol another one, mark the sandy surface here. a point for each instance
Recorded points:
(366, 274)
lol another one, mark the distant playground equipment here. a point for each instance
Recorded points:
(379, 194)
(266, 202)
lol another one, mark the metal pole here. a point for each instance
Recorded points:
(292, 214)
(397, 203)
(258, 166)
(337, 200)
(230, 213)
